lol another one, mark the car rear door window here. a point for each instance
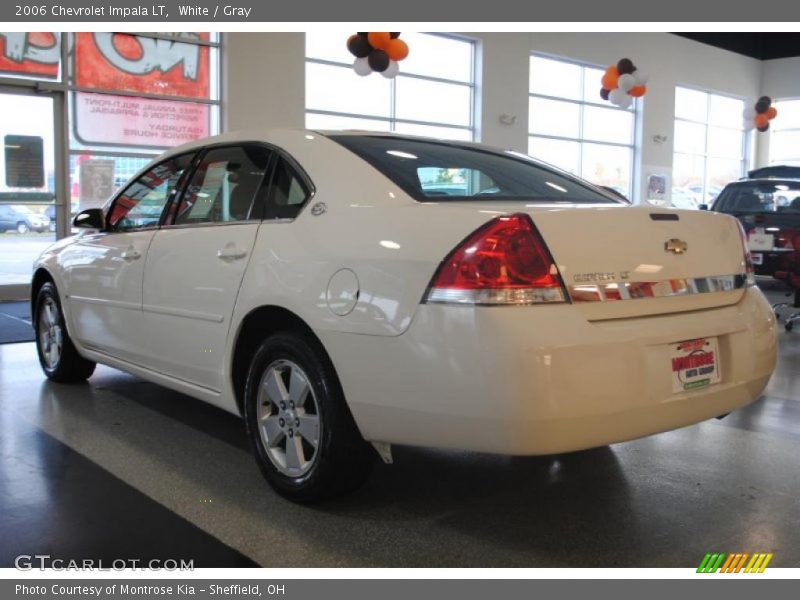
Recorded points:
(225, 186)
(141, 204)
(288, 192)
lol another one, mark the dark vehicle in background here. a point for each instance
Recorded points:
(21, 219)
(768, 206)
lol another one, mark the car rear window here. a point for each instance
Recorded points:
(438, 171)
(760, 197)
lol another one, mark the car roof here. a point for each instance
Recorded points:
(268, 134)
(765, 180)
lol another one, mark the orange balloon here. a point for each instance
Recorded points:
(379, 39)
(397, 49)
(610, 78)
(761, 120)
(772, 112)
(637, 91)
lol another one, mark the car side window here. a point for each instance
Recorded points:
(288, 193)
(224, 186)
(141, 204)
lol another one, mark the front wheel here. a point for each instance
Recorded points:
(303, 435)
(22, 228)
(58, 357)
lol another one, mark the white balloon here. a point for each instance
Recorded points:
(640, 77)
(392, 70)
(619, 98)
(361, 66)
(626, 82)
(749, 113)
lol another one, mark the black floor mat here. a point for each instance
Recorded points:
(15, 322)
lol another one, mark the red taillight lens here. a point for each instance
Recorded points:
(749, 272)
(504, 262)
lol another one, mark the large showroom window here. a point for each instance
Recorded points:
(571, 127)
(432, 95)
(132, 96)
(784, 142)
(101, 104)
(709, 145)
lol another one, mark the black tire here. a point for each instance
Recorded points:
(342, 459)
(23, 228)
(70, 367)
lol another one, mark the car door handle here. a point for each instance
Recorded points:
(131, 254)
(231, 253)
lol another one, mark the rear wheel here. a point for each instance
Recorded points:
(303, 435)
(58, 357)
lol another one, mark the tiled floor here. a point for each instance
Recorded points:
(124, 468)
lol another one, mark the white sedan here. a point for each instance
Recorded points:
(347, 290)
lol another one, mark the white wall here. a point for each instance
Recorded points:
(265, 80)
(669, 59)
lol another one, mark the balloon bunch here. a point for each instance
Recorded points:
(378, 51)
(760, 114)
(622, 83)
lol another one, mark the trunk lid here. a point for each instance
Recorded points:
(620, 262)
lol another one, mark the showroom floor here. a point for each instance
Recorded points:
(121, 468)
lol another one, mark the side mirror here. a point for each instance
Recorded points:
(91, 218)
(702, 206)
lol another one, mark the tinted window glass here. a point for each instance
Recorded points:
(224, 185)
(288, 193)
(760, 196)
(436, 171)
(142, 202)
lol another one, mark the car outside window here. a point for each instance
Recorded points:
(224, 186)
(760, 197)
(141, 204)
(288, 193)
(435, 171)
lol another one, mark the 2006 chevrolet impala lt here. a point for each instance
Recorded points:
(342, 289)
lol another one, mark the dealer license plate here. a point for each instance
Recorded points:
(760, 241)
(695, 364)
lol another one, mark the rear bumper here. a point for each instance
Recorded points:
(543, 379)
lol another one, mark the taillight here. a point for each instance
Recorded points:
(750, 273)
(503, 262)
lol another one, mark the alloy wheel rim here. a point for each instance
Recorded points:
(51, 336)
(288, 418)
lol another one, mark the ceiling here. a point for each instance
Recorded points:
(763, 46)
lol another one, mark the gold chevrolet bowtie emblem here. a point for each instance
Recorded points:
(676, 246)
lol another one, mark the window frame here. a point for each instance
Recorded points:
(580, 139)
(745, 149)
(392, 120)
(794, 160)
(263, 194)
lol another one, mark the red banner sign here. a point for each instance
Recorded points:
(34, 53)
(129, 63)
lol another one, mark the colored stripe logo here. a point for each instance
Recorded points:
(738, 562)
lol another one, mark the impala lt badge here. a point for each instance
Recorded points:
(676, 246)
